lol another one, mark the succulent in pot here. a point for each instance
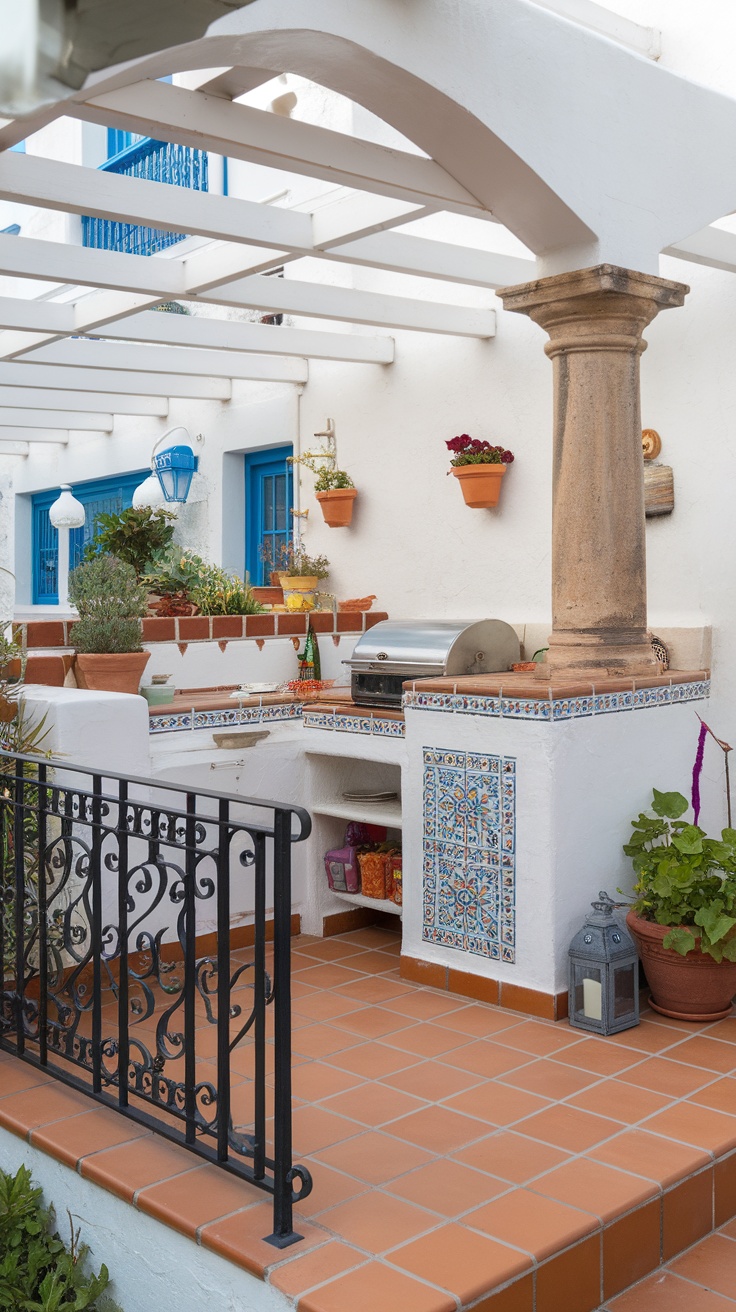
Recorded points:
(336, 493)
(684, 914)
(479, 468)
(107, 635)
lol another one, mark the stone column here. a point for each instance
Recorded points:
(595, 318)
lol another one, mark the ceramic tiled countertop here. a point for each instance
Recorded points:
(215, 699)
(526, 685)
(463, 1156)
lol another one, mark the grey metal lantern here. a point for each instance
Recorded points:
(604, 973)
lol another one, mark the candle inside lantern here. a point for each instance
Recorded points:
(592, 999)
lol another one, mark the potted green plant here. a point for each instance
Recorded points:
(336, 494)
(299, 574)
(107, 635)
(135, 536)
(480, 468)
(217, 592)
(684, 915)
(170, 576)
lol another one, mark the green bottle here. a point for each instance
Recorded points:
(309, 661)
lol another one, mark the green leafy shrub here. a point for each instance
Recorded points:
(173, 570)
(134, 536)
(38, 1272)
(219, 593)
(329, 479)
(685, 879)
(110, 601)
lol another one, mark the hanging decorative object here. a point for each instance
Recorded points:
(659, 483)
(479, 467)
(604, 973)
(660, 651)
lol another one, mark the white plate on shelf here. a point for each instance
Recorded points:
(370, 797)
(255, 689)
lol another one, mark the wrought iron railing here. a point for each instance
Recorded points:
(155, 161)
(106, 984)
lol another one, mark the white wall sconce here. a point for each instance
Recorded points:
(65, 514)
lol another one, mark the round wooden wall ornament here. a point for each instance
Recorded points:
(651, 443)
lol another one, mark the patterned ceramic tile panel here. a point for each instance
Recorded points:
(561, 708)
(468, 891)
(372, 724)
(219, 719)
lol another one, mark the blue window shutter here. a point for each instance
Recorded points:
(269, 499)
(101, 495)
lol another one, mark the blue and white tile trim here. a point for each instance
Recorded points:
(180, 720)
(469, 852)
(341, 723)
(553, 710)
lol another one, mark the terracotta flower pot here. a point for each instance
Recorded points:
(481, 484)
(337, 505)
(694, 987)
(120, 672)
(12, 671)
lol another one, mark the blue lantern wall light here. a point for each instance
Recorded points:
(172, 471)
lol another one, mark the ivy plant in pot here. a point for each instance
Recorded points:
(336, 493)
(107, 635)
(479, 468)
(684, 915)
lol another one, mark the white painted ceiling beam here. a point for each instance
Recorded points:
(713, 247)
(36, 316)
(192, 118)
(360, 215)
(155, 360)
(404, 253)
(224, 335)
(40, 398)
(83, 266)
(645, 41)
(59, 436)
(10, 447)
(26, 374)
(229, 83)
(22, 418)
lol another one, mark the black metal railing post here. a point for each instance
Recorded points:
(223, 981)
(20, 906)
(283, 1227)
(96, 931)
(43, 937)
(122, 982)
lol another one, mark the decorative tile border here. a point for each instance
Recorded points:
(553, 710)
(469, 853)
(179, 720)
(367, 724)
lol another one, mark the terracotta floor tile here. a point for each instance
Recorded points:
(447, 1187)
(438, 1129)
(327, 976)
(632, 1248)
(550, 1079)
(711, 1053)
(486, 1058)
(321, 1041)
(540, 1040)
(725, 1030)
(663, 1292)
(78, 1136)
(330, 1188)
(331, 949)
(465, 1263)
(571, 1281)
(375, 989)
(690, 1123)
(325, 1006)
(511, 1156)
(16, 1076)
(496, 1103)
(480, 1021)
(374, 1157)
(721, 1096)
(191, 1200)
(373, 1060)
(372, 962)
(598, 1056)
(729, 1230)
(540, 1226)
(21, 1112)
(373, 937)
(621, 1101)
(315, 1268)
(646, 1037)
(425, 1005)
(241, 1238)
(376, 1288)
(602, 1190)
(372, 1022)
(427, 1040)
(570, 1128)
(314, 1080)
(711, 1263)
(144, 1162)
(649, 1156)
(376, 1221)
(373, 1104)
(314, 1128)
(672, 1077)
(433, 1080)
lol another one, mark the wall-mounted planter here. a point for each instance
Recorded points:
(481, 484)
(337, 505)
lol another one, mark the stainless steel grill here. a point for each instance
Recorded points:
(392, 652)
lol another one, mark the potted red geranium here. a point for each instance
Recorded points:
(480, 468)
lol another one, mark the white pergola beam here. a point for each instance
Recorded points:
(39, 398)
(404, 253)
(83, 266)
(713, 247)
(26, 374)
(224, 335)
(193, 118)
(360, 215)
(22, 418)
(58, 436)
(36, 316)
(155, 360)
(9, 447)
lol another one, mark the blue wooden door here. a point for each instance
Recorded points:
(269, 499)
(104, 495)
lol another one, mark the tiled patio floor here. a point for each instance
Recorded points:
(463, 1155)
(701, 1280)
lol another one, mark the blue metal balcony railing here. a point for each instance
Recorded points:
(155, 161)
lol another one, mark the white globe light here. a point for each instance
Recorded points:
(66, 512)
(148, 494)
